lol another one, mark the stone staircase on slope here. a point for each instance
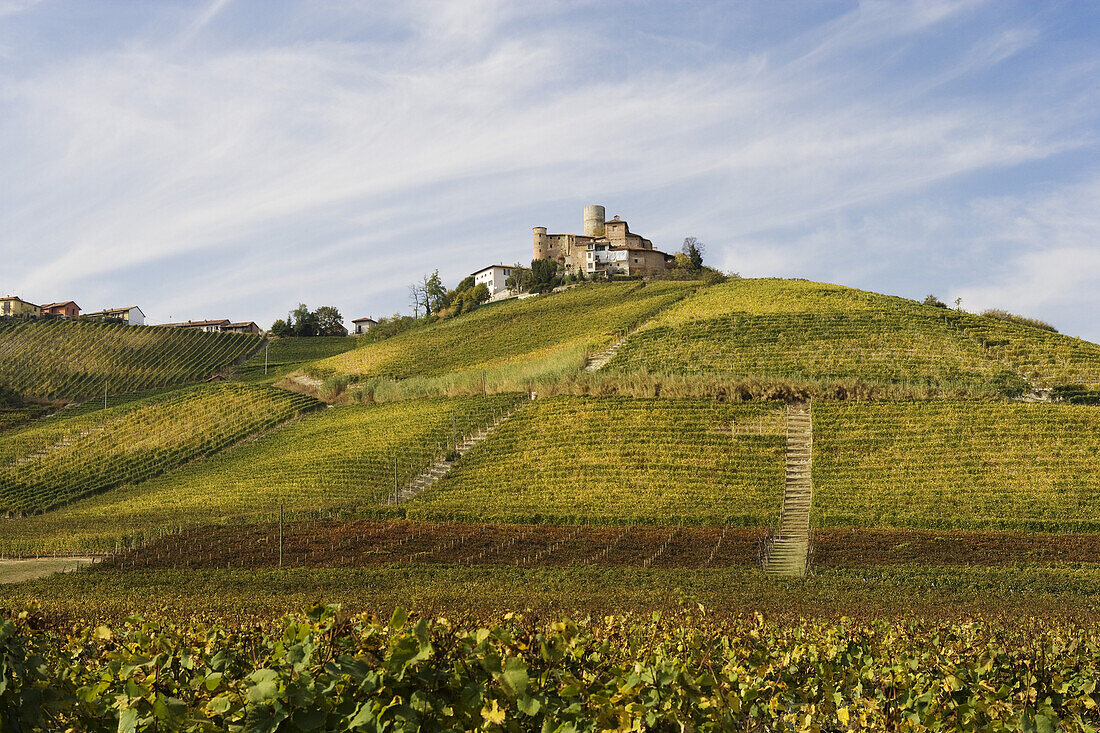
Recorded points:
(599, 360)
(787, 552)
(441, 466)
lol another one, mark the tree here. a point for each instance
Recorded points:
(435, 294)
(479, 294)
(543, 273)
(934, 301)
(521, 279)
(304, 320)
(281, 328)
(416, 301)
(694, 249)
(329, 321)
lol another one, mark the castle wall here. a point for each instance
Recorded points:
(571, 250)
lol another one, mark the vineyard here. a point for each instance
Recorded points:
(64, 458)
(802, 330)
(684, 671)
(616, 460)
(342, 459)
(473, 467)
(547, 331)
(365, 543)
(258, 594)
(950, 463)
(80, 359)
(283, 355)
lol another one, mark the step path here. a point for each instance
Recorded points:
(441, 466)
(599, 360)
(789, 548)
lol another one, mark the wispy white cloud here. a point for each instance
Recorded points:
(337, 166)
(202, 19)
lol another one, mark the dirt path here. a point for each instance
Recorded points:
(15, 571)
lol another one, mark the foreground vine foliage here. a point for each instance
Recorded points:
(326, 671)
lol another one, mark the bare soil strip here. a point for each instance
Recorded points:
(371, 543)
(15, 571)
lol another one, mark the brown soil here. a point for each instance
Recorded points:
(364, 543)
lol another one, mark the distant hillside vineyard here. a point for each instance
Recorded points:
(75, 359)
(801, 330)
(63, 458)
(551, 333)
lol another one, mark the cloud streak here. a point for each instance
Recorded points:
(338, 152)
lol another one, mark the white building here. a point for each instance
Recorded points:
(362, 325)
(130, 314)
(602, 258)
(494, 277)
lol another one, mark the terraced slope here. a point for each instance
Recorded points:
(74, 359)
(957, 464)
(341, 458)
(534, 335)
(620, 460)
(800, 330)
(61, 459)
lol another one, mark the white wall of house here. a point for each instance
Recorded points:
(494, 278)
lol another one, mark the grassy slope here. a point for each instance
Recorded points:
(957, 464)
(620, 460)
(336, 459)
(532, 335)
(794, 329)
(75, 359)
(63, 458)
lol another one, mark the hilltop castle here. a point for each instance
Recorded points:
(606, 246)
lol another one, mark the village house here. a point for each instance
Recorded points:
(249, 327)
(607, 247)
(131, 315)
(359, 326)
(211, 326)
(218, 325)
(494, 277)
(66, 309)
(12, 306)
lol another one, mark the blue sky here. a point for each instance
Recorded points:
(232, 158)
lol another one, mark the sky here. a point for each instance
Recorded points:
(233, 158)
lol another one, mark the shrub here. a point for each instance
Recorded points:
(932, 300)
(9, 397)
(1001, 315)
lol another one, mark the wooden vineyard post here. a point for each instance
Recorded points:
(454, 432)
(104, 394)
(280, 534)
(396, 496)
(267, 345)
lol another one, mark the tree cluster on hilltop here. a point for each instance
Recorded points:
(301, 322)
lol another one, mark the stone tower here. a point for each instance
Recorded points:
(594, 220)
(541, 248)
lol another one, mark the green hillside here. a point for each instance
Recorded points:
(957, 464)
(76, 359)
(337, 459)
(621, 460)
(63, 458)
(528, 337)
(285, 354)
(800, 330)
